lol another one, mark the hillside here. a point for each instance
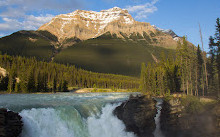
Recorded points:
(109, 54)
(39, 44)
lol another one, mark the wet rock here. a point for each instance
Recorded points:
(138, 115)
(10, 123)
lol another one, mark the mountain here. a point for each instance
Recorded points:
(85, 25)
(110, 54)
(168, 31)
(109, 41)
(39, 44)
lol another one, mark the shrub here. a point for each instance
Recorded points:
(192, 104)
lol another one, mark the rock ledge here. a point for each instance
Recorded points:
(10, 123)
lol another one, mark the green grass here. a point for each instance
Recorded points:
(109, 54)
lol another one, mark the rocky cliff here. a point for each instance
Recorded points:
(178, 121)
(10, 123)
(138, 115)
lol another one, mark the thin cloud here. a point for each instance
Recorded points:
(9, 24)
(2, 35)
(16, 14)
(30, 22)
(143, 11)
(34, 22)
(43, 4)
(13, 12)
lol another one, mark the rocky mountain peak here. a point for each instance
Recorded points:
(90, 24)
(168, 31)
(83, 25)
(113, 9)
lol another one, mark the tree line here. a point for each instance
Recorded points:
(191, 70)
(27, 75)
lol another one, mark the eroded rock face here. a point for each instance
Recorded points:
(10, 123)
(176, 122)
(138, 115)
(85, 25)
(169, 119)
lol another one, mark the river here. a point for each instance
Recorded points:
(68, 114)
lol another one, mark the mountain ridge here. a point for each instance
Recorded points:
(117, 46)
(85, 25)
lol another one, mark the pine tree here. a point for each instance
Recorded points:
(217, 44)
(16, 87)
(214, 46)
(143, 78)
(31, 80)
(11, 81)
(10, 84)
(64, 86)
(4, 83)
(200, 71)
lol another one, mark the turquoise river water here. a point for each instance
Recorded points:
(68, 114)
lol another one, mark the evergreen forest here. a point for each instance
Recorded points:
(27, 75)
(191, 71)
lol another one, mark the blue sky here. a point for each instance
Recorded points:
(181, 16)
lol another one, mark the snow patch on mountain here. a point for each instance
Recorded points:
(168, 31)
(103, 18)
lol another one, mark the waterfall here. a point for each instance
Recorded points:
(69, 122)
(68, 114)
(158, 132)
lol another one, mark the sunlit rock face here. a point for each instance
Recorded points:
(91, 24)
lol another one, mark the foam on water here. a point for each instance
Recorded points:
(158, 132)
(44, 123)
(107, 125)
(50, 122)
(68, 114)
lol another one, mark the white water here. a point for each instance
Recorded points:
(44, 123)
(49, 123)
(107, 125)
(158, 132)
(68, 115)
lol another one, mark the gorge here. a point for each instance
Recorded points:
(108, 115)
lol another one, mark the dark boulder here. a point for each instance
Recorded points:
(10, 123)
(138, 115)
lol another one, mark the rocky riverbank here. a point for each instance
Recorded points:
(190, 120)
(138, 115)
(10, 123)
(180, 117)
